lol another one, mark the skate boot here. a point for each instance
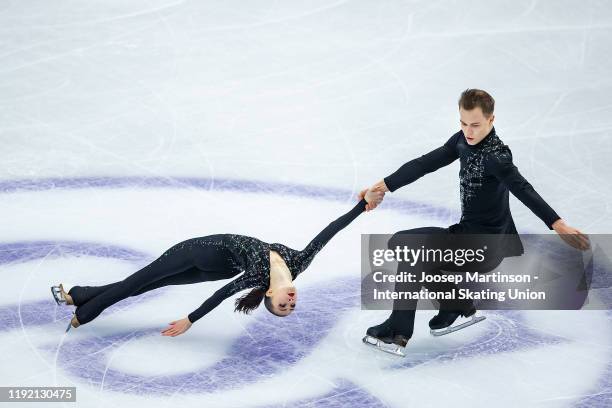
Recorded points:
(60, 296)
(73, 322)
(443, 322)
(383, 338)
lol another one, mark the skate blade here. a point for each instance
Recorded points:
(390, 348)
(447, 330)
(70, 322)
(57, 295)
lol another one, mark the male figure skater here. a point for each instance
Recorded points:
(486, 176)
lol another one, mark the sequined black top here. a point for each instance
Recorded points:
(486, 175)
(252, 256)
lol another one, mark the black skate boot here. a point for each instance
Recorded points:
(442, 323)
(382, 331)
(384, 338)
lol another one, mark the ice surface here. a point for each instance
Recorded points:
(129, 126)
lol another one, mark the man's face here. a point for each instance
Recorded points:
(475, 125)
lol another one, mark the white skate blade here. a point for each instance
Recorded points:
(57, 295)
(390, 348)
(447, 330)
(70, 322)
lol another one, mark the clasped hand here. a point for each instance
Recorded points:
(374, 195)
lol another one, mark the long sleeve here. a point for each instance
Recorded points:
(334, 227)
(303, 258)
(214, 301)
(430, 162)
(508, 174)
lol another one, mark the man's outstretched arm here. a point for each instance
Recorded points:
(508, 174)
(417, 168)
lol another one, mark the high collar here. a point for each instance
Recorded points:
(485, 141)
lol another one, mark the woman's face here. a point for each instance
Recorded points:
(284, 300)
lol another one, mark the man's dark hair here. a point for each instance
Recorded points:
(472, 98)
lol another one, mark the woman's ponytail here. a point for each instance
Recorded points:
(250, 301)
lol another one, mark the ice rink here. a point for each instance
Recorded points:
(128, 126)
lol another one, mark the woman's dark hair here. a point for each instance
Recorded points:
(472, 98)
(251, 301)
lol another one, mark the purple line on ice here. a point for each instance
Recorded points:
(272, 345)
(344, 394)
(24, 251)
(220, 184)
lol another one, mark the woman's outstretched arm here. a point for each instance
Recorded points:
(340, 223)
(180, 326)
(219, 296)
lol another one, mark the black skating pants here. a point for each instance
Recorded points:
(191, 261)
(403, 314)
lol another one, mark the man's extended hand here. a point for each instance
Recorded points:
(571, 235)
(379, 187)
(373, 198)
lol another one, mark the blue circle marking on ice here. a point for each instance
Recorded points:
(278, 351)
(219, 184)
(274, 344)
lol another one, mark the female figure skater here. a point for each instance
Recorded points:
(269, 269)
